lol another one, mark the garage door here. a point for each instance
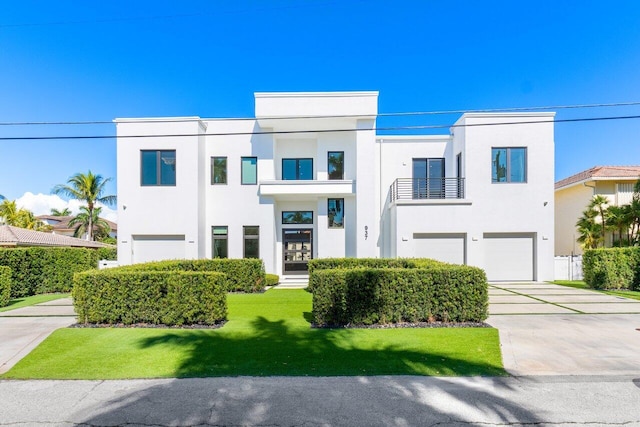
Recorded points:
(443, 247)
(157, 248)
(509, 257)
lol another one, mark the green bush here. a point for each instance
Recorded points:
(612, 268)
(243, 275)
(37, 270)
(115, 296)
(5, 286)
(272, 279)
(448, 293)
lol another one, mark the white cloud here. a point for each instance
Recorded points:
(41, 204)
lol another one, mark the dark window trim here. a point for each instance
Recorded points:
(159, 168)
(297, 159)
(507, 172)
(246, 237)
(343, 209)
(329, 153)
(215, 237)
(297, 223)
(225, 172)
(242, 170)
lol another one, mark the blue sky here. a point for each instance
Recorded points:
(78, 61)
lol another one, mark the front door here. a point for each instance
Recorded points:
(297, 250)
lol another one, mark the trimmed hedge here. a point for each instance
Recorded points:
(331, 263)
(612, 268)
(156, 297)
(243, 275)
(37, 270)
(5, 286)
(272, 279)
(448, 293)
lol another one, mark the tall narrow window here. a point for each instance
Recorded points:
(249, 170)
(509, 164)
(158, 167)
(335, 164)
(336, 213)
(297, 169)
(218, 170)
(220, 241)
(251, 241)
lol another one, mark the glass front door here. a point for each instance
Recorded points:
(297, 249)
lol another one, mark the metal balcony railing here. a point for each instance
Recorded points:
(427, 188)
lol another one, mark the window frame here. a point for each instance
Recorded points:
(242, 170)
(226, 169)
(341, 226)
(329, 153)
(158, 180)
(297, 160)
(296, 223)
(221, 237)
(508, 165)
(246, 237)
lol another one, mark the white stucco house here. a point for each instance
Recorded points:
(308, 177)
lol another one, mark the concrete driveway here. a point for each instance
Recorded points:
(547, 329)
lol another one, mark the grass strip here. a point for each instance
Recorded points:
(579, 284)
(32, 300)
(266, 335)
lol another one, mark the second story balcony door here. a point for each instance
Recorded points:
(297, 169)
(428, 178)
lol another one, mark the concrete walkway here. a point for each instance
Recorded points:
(22, 329)
(547, 329)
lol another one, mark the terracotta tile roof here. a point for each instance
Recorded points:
(612, 172)
(15, 236)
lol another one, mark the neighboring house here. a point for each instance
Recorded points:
(309, 178)
(17, 237)
(573, 194)
(60, 225)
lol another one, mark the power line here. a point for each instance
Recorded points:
(345, 116)
(286, 132)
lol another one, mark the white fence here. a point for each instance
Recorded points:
(568, 267)
(104, 263)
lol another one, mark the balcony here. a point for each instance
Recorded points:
(418, 189)
(285, 188)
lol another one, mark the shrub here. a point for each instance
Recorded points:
(272, 279)
(5, 286)
(157, 297)
(38, 270)
(612, 268)
(448, 293)
(245, 275)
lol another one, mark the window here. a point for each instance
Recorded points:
(297, 217)
(509, 164)
(158, 167)
(251, 241)
(220, 242)
(297, 169)
(428, 178)
(336, 213)
(218, 170)
(335, 164)
(249, 170)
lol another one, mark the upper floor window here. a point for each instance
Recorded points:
(249, 170)
(335, 164)
(509, 164)
(428, 178)
(158, 167)
(218, 170)
(297, 169)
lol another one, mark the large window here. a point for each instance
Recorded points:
(218, 170)
(251, 241)
(297, 169)
(158, 167)
(220, 241)
(336, 213)
(249, 170)
(428, 178)
(509, 164)
(297, 217)
(335, 164)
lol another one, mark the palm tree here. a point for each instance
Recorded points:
(599, 204)
(88, 188)
(83, 221)
(8, 211)
(618, 220)
(23, 218)
(63, 212)
(589, 229)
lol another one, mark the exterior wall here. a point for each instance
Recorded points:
(570, 203)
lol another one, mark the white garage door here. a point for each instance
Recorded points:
(157, 248)
(442, 247)
(508, 257)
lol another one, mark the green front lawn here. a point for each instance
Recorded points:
(579, 284)
(33, 300)
(267, 334)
